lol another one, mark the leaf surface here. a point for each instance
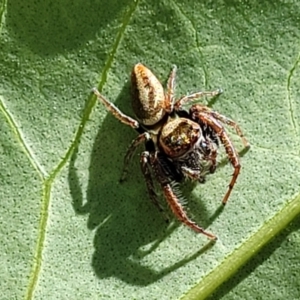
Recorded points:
(70, 230)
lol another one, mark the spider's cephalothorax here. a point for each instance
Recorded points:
(178, 143)
(191, 146)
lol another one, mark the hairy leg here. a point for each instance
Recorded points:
(189, 98)
(173, 201)
(225, 140)
(115, 111)
(169, 101)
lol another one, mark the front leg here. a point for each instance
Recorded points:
(173, 201)
(207, 110)
(232, 154)
(180, 214)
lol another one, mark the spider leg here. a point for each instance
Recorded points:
(115, 111)
(145, 166)
(173, 201)
(179, 212)
(134, 144)
(169, 101)
(232, 154)
(226, 121)
(188, 98)
(213, 159)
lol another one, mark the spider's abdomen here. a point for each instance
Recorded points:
(147, 96)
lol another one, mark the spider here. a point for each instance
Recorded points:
(178, 143)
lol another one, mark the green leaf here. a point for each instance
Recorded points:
(69, 229)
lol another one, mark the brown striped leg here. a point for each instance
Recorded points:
(173, 201)
(115, 111)
(169, 101)
(186, 99)
(229, 148)
(225, 120)
(179, 212)
(145, 166)
(135, 143)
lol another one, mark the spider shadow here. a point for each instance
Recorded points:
(127, 225)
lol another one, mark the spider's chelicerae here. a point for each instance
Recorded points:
(178, 143)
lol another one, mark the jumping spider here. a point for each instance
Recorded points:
(178, 143)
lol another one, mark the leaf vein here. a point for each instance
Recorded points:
(290, 102)
(19, 137)
(37, 263)
(2, 10)
(49, 181)
(92, 100)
